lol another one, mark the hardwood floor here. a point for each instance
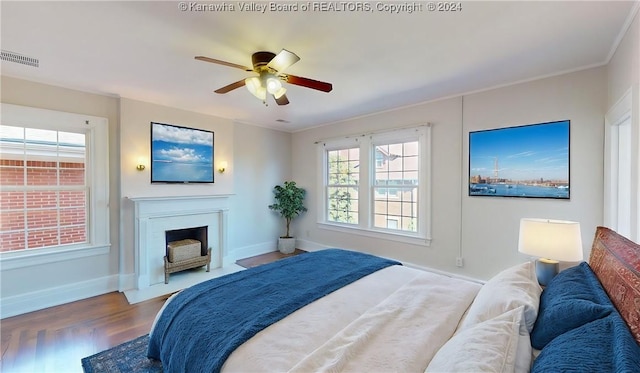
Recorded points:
(265, 258)
(56, 338)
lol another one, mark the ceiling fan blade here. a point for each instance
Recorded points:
(213, 60)
(230, 87)
(283, 60)
(306, 82)
(283, 100)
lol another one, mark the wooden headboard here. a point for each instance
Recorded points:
(616, 261)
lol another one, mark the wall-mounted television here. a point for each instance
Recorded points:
(181, 154)
(530, 161)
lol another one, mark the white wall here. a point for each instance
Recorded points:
(135, 141)
(623, 74)
(490, 225)
(483, 229)
(136, 118)
(43, 285)
(256, 158)
(623, 70)
(446, 131)
(262, 159)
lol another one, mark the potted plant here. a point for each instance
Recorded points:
(289, 203)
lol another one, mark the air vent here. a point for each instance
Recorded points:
(18, 58)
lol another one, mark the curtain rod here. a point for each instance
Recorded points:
(428, 124)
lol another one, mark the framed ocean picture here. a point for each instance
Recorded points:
(529, 161)
(181, 154)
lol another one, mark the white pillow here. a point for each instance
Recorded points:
(514, 287)
(497, 345)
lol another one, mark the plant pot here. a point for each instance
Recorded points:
(287, 245)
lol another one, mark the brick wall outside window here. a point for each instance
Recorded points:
(45, 206)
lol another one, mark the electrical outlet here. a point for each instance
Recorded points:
(459, 261)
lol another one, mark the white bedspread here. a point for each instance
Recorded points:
(393, 320)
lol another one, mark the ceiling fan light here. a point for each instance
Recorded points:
(280, 92)
(262, 93)
(252, 84)
(256, 89)
(273, 85)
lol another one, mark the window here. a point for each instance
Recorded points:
(376, 184)
(342, 185)
(43, 188)
(54, 189)
(400, 170)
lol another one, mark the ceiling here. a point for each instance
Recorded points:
(377, 60)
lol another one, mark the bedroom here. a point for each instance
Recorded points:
(259, 157)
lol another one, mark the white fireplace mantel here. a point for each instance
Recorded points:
(153, 216)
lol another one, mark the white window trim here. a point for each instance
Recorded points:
(97, 132)
(365, 226)
(619, 213)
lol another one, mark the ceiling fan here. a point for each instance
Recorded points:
(269, 68)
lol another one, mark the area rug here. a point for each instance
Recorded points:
(130, 357)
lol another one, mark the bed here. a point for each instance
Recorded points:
(338, 310)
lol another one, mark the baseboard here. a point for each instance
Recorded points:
(267, 247)
(314, 246)
(307, 245)
(127, 281)
(37, 300)
(444, 273)
(252, 250)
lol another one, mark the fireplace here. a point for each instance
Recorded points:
(203, 218)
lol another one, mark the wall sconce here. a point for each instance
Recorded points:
(140, 166)
(222, 166)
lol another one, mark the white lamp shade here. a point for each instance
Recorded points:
(254, 86)
(273, 85)
(551, 239)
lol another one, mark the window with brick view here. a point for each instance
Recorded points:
(396, 186)
(378, 184)
(43, 197)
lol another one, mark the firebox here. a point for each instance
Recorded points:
(195, 233)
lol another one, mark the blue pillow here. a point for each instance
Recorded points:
(626, 349)
(573, 298)
(603, 345)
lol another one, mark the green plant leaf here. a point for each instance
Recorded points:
(289, 202)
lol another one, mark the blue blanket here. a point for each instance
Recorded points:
(204, 324)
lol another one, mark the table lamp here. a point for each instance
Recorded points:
(551, 241)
